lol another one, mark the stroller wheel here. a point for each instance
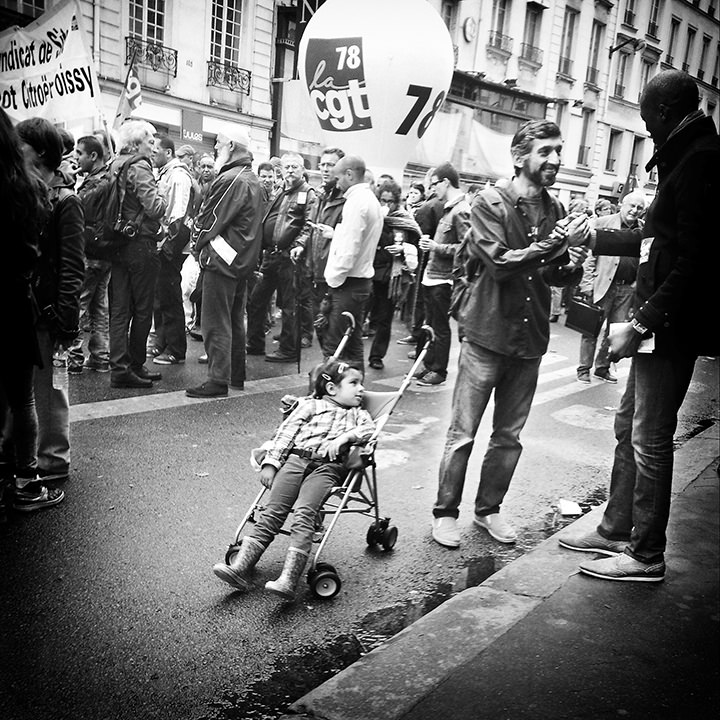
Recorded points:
(324, 581)
(231, 553)
(374, 534)
(389, 537)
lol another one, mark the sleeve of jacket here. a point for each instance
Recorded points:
(461, 224)
(488, 243)
(71, 266)
(311, 210)
(285, 435)
(143, 182)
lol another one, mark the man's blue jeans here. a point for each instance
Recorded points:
(513, 380)
(352, 296)
(641, 480)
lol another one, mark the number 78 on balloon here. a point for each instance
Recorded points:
(340, 95)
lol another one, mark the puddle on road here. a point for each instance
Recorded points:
(307, 667)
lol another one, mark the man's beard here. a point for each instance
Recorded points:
(538, 177)
(221, 159)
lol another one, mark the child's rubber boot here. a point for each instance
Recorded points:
(285, 585)
(238, 572)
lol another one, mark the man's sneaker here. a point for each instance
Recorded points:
(208, 389)
(583, 376)
(203, 359)
(168, 359)
(497, 527)
(129, 380)
(153, 351)
(431, 378)
(97, 365)
(623, 567)
(409, 340)
(280, 357)
(376, 363)
(606, 376)
(420, 373)
(142, 372)
(195, 334)
(75, 368)
(592, 542)
(445, 532)
(35, 496)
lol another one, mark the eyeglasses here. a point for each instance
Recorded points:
(433, 184)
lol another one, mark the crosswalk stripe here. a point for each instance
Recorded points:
(572, 388)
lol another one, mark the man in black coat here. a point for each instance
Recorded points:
(676, 300)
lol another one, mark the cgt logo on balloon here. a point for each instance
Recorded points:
(335, 75)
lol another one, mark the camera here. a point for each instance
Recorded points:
(129, 230)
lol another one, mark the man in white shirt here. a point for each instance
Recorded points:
(349, 270)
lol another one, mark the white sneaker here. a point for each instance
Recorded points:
(497, 527)
(445, 532)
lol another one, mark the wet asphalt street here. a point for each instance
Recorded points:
(108, 603)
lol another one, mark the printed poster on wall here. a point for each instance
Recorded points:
(46, 69)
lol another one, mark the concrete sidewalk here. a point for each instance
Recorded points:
(539, 641)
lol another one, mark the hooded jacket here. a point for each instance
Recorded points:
(676, 293)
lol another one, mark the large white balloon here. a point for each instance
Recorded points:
(376, 72)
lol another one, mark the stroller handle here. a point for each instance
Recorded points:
(429, 331)
(350, 318)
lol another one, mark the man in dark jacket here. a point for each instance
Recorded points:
(135, 267)
(676, 298)
(285, 218)
(314, 248)
(227, 240)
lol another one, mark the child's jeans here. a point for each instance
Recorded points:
(306, 492)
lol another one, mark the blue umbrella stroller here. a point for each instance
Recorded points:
(358, 493)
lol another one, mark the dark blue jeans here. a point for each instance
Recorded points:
(169, 312)
(513, 380)
(437, 304)
(641, 480)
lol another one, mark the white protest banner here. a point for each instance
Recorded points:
(46, 69)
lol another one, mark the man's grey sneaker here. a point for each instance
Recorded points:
(624, 568)
(605, 376)
(409, 340)
(168, 359)
(431, 378)
(497, 527)
(583, 376)
(592, 542)
(35, 496)
(445, 532)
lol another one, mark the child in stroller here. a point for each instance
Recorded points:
(302, 464)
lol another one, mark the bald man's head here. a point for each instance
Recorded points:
(349, 171)
(632, 207)
(668, 98)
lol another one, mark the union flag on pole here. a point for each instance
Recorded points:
(130, 98)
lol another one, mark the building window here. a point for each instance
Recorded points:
(147, 20)
(636, 156)
(225, 31)
(689, 48)
(448, 12)
(621, 73)
(586, 134)
(613, 151)
(568, 41)
(499, 15)
(596, 43)
(25, 7)
(646, 73)
(629, 17)
(560, 115)
(703, 56)
(530, 48)
(654, 20)
(674, 32)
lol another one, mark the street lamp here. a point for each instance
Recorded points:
(636, 43)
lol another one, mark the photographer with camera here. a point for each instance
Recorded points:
(135, 268)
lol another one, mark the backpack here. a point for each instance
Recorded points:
(109, 231)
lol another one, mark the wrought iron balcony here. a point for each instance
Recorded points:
(610, 165)
(685, 66)
(228, 76)
(150, 54)
(669, 59)
(619, 91)
(498, 41)
(583, 155)
(652, 29)
(629, 18)
(531, 53)
(701, 74)
(591, 75)
(565, 66)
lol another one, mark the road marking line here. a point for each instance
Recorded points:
(572, 388)
(163, 401)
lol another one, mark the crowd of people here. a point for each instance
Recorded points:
(208, 243)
